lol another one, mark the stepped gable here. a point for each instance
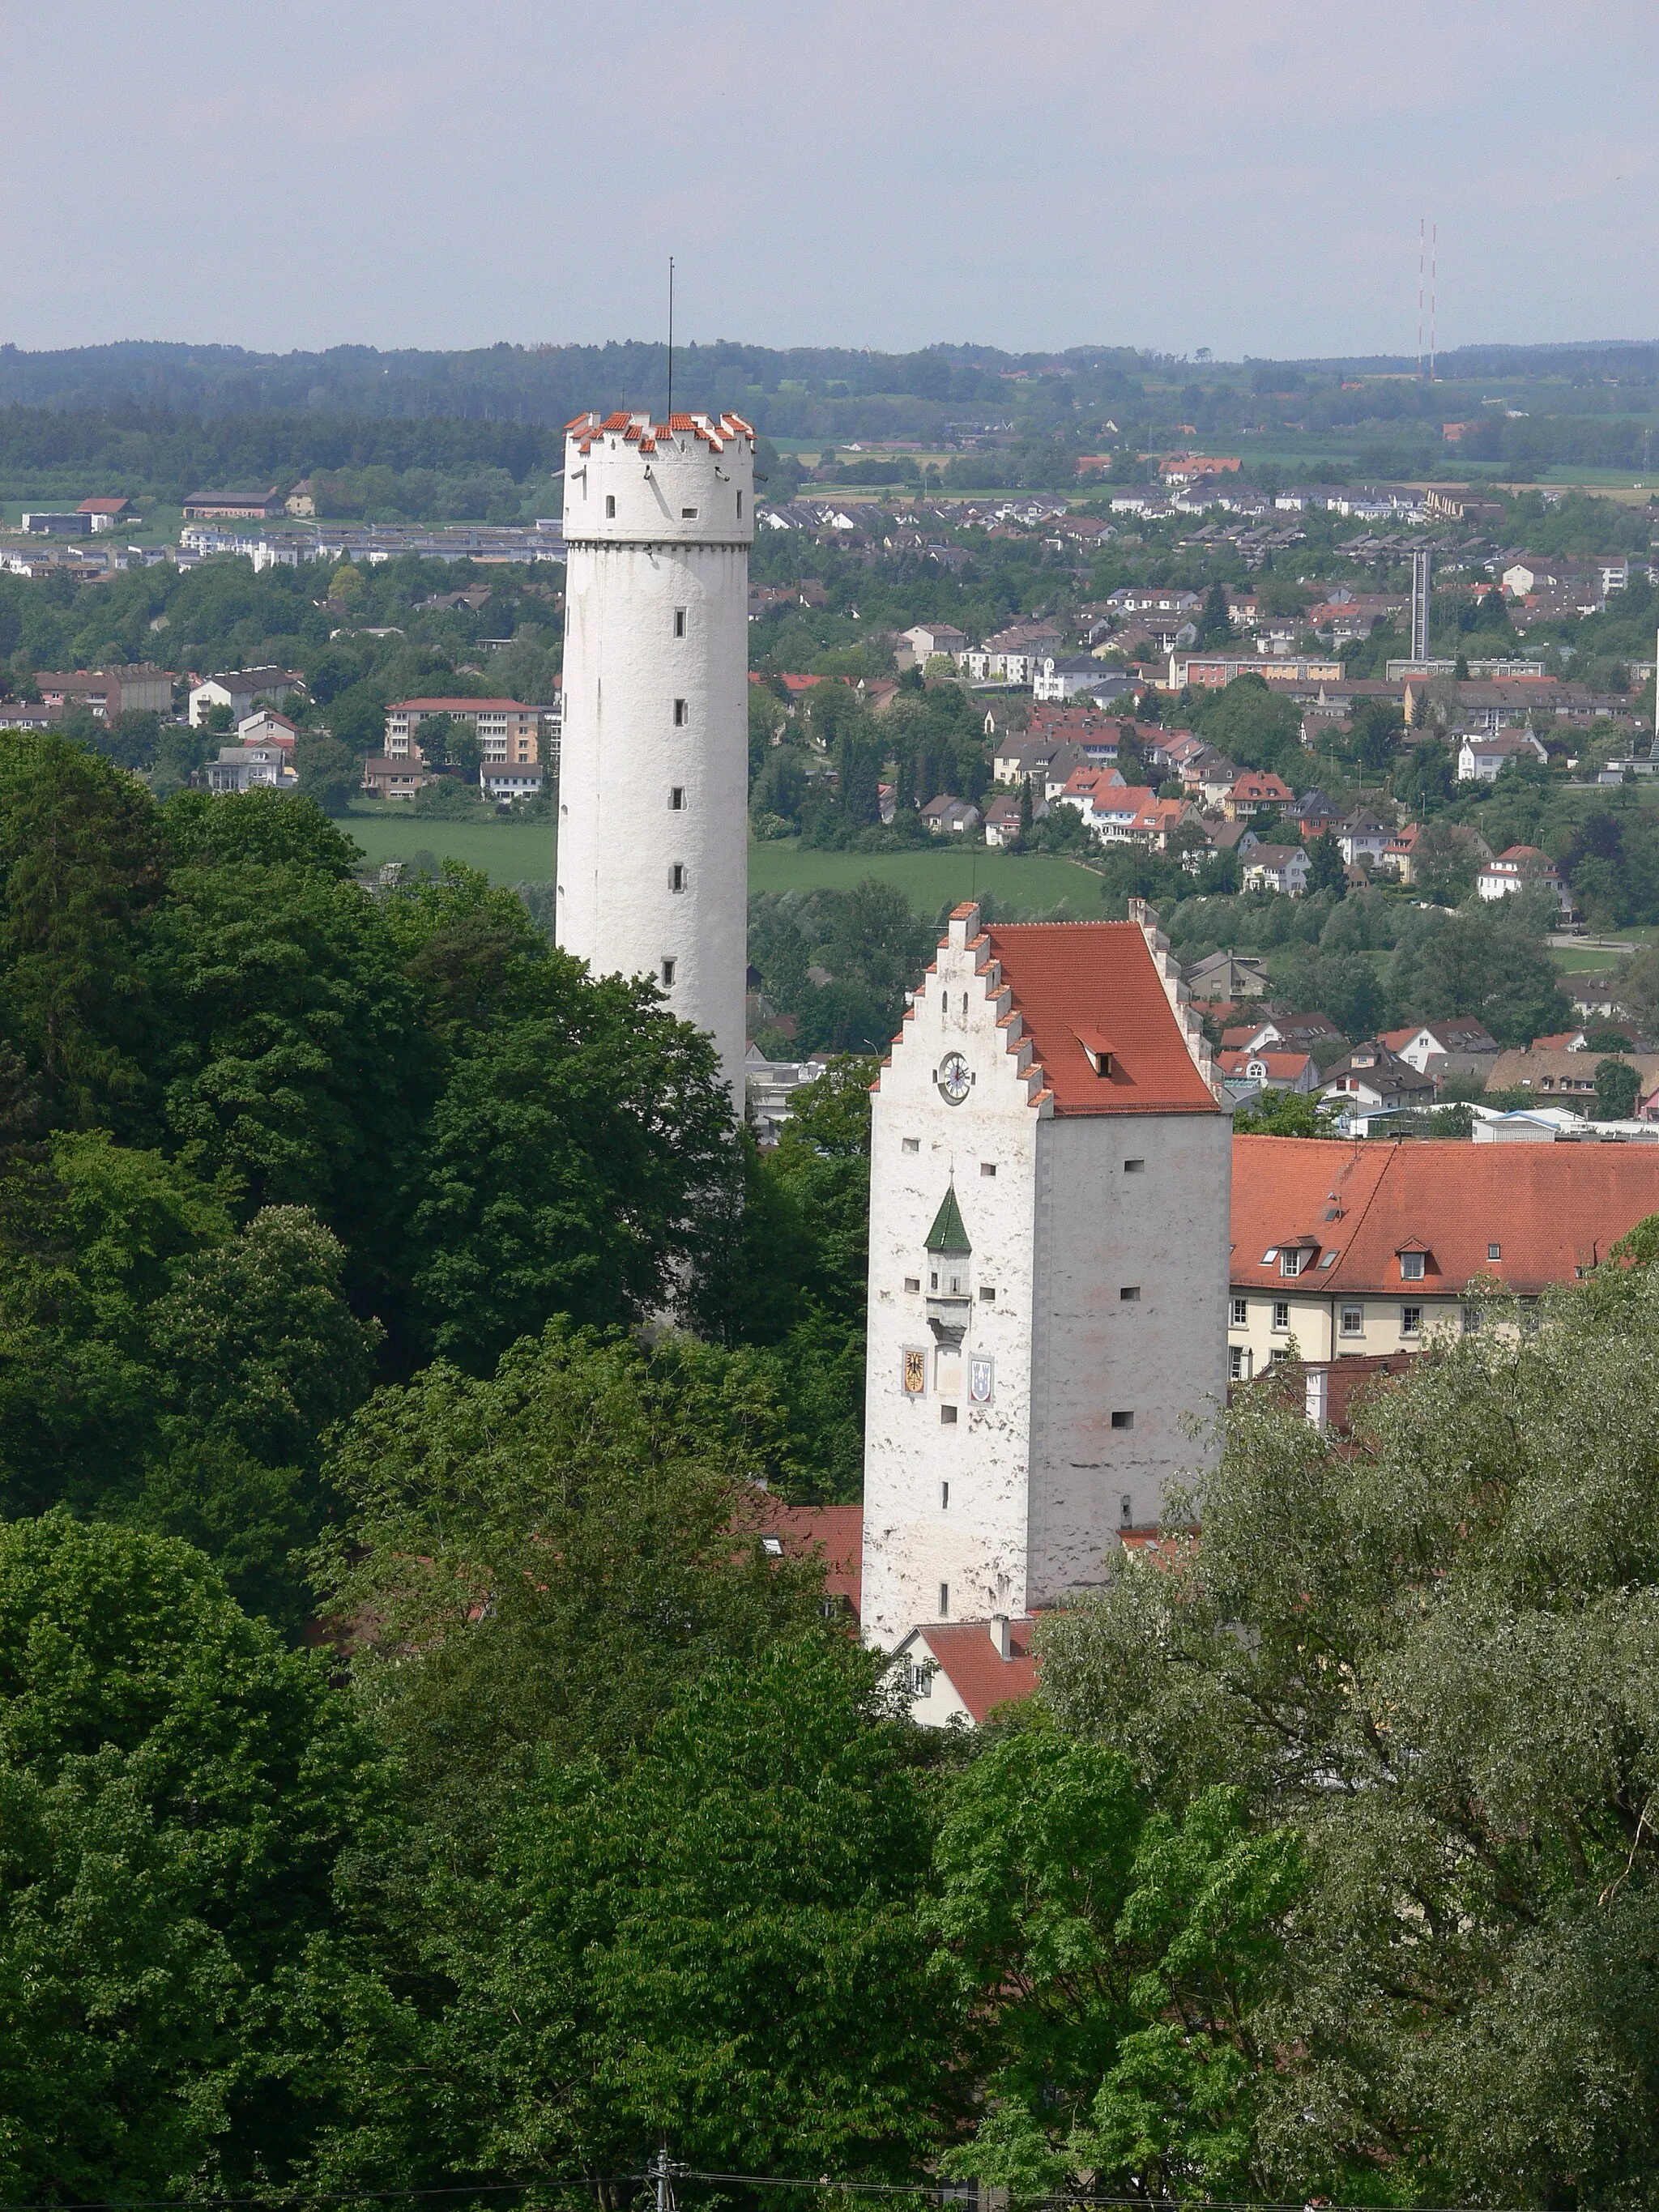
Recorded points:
(1096, 1013)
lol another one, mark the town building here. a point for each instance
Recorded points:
(505, 783)
(508, 733)
(652, 824)
(1048, 1234)
(1562, 1074)
(1282, 868)
(961, 1672)
(1371, 1081)
(1483, 757)
(1428, 1045)
(107, 692)
(250, 768)
(927, 639)
(265, 727)
(1519, 868)
(1371, 1247)
(949, 818)
(233, 506)
(104, 513)
(389, 776)
(240, 689)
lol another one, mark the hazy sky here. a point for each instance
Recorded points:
(1244, 174)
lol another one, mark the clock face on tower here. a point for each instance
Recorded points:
(954, 1079)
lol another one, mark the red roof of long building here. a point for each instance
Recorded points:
(1098, 976)
(1551, 1211)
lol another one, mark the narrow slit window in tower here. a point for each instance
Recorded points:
(611, 507)
(668, 974)
(676, 799)
(679, 622)
(682, 713)
(677, 877)
(944, 1600)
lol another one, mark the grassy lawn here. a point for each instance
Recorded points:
(507, 852)
(522, 851)
(1027, 883)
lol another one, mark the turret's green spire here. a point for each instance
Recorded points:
(948, 1233)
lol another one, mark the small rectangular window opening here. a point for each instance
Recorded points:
(1281, 1313)
(679, 622)
(688, 514)
(1135, 1167)
(1127, 1510)
(1494, 1251)
(681, 713)
(1411, 1320)
(944, 1497)
(987, 1294)
(740, 506)
(1237, 1372)
(933, 1281)
(948, 1416)
(1353, 1321)
(1130, 1294)
(912, 1144)
(676, 799)
(913, 1282)
(1241, 1312)
(987, 1167)
(1411, 1266)
(1123, 1420)
(668, 972)
(611, 507)
(677, 877)
(944, 1600)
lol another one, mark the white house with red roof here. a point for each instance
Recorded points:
(1518, 869)
(1048, 1187)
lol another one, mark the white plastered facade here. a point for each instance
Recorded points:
(653, 858)
(1005, 1501)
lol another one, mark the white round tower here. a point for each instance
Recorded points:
(653, 780)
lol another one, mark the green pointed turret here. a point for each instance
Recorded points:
(948, 1233)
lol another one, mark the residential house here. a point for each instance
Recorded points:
(504, 784)
(1481, 757)
(1227, 976)
(961, 1672)
(949, 818)
(1361, 838)
(507, 730)
(1561, 1075)
(1372, 1080)
(1272, 1070)
(1255, 789)
(1070, 676)
(1518, 869)
(241, 689)
(1002, 821)
(1290, 1032)
(250, 768)
(1533, 572)
(1427, 1046)
(394, 776)
(1282, 868)
(1338, 1247)
(265, 727)
(107, 692)
(1213, 776)
(927, 639)
(1313, 814)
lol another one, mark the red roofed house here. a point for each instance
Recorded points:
(1370, 1247)
(1047, 1245)
(1273, 1071)
(1256, 788)
(104, 513)
(963, 1671)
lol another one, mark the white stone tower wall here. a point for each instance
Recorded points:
(658, 523)
(913, 1540)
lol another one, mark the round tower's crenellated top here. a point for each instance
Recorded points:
(631, 481)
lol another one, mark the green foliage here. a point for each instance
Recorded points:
(1285, 1114)
(175, 1794)
(1250, 724)
(540, 1559)
(758, 1859)
(1433, 1656)
(866, 941)
(1617, 1087)
(1488, 959)
(1123, 1953)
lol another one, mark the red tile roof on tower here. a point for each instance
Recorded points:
(717, 430)
(1552, 1211)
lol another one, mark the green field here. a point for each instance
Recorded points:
(522, 851)
(507, 852)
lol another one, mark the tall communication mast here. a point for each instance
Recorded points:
(1422, 569)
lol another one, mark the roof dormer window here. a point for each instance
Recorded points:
(1097, 1050)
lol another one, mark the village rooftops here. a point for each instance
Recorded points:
(1518, 1217)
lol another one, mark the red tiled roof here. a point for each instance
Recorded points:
(1551, 1209)
(460, 705)
(835, 1533)
(976, 1671)
(1067, 976)
(1281, 1066)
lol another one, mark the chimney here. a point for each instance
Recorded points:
(999, 1635)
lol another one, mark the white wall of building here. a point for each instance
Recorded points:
(657, 593)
